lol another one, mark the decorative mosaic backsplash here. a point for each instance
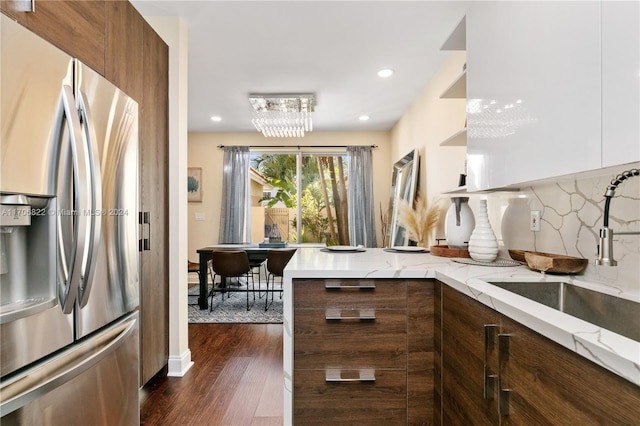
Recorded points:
(572, 212)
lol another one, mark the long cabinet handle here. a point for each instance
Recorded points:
(140, 232)
(144, 242)
(147, 221)
(364, 375)
(503, 355)
(489, 343)
(337, 285)
(27, 6)
(362, 314)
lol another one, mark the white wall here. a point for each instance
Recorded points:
(204, 152)
(429, 121)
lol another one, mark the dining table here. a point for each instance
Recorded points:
(255, 251)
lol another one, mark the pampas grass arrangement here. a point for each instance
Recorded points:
(420, 220)
(384, 220)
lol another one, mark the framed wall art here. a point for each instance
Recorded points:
(194, 184)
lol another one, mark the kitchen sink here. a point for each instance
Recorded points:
(615, 314)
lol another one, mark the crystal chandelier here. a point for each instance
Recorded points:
(282, 115)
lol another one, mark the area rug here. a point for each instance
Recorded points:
(233, 309)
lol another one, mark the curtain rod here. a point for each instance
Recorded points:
(298, 146)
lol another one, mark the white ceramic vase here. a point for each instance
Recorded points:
(483, 245)
(515, 225)
(459, 223)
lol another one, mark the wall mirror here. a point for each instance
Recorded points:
(404, 185)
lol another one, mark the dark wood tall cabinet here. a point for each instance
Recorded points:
(112, 38)
(154, 132)
(137, 62)
(124, 48)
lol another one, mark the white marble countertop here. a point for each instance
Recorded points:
(612, 351)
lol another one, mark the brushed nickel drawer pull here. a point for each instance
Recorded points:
(337, 285)
(503, 356)
(489, 343)
(363, 314)
(364, 375)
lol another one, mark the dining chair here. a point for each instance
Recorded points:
(277, 259)
(228, 264)
(191, 268)
(257, 266)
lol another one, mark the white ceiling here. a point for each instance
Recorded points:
(331, 48)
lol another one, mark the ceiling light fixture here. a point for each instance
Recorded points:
(363, 118)
(216, 118)
(283, 115)
(385, 73)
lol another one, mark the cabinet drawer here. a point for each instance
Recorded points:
(317, 400)
(320, 342)
(350, 293)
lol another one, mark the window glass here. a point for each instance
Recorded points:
(319, 197)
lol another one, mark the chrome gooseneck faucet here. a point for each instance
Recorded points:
(605, 249)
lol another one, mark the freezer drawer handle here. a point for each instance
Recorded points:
(364, 375)
(35, 383)
(363, 314)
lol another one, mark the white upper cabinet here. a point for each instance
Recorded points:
(620, 82)
(533, 91)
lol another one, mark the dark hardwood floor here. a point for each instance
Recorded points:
(236, 379)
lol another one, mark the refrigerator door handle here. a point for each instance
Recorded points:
(94, 200)
(70, 267)
(34, 383)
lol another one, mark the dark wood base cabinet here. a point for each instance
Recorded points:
(363, 352)
(549, 384)
(492, 370)
(468, 364)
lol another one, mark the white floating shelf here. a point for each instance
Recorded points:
(457, 89)
(457, 40)
(462, 191)
(457, 139)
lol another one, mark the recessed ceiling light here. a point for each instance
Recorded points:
(385, 73)
(216, 118)
(363, 118)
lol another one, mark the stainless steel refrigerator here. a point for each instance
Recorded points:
(69, 266)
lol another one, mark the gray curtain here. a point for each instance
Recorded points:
(362, 224)
(234, 209)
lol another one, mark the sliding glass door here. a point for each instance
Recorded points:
(310, 186)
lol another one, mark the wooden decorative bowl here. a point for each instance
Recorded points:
(518, 255)
(445, 251)
(555, 263)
